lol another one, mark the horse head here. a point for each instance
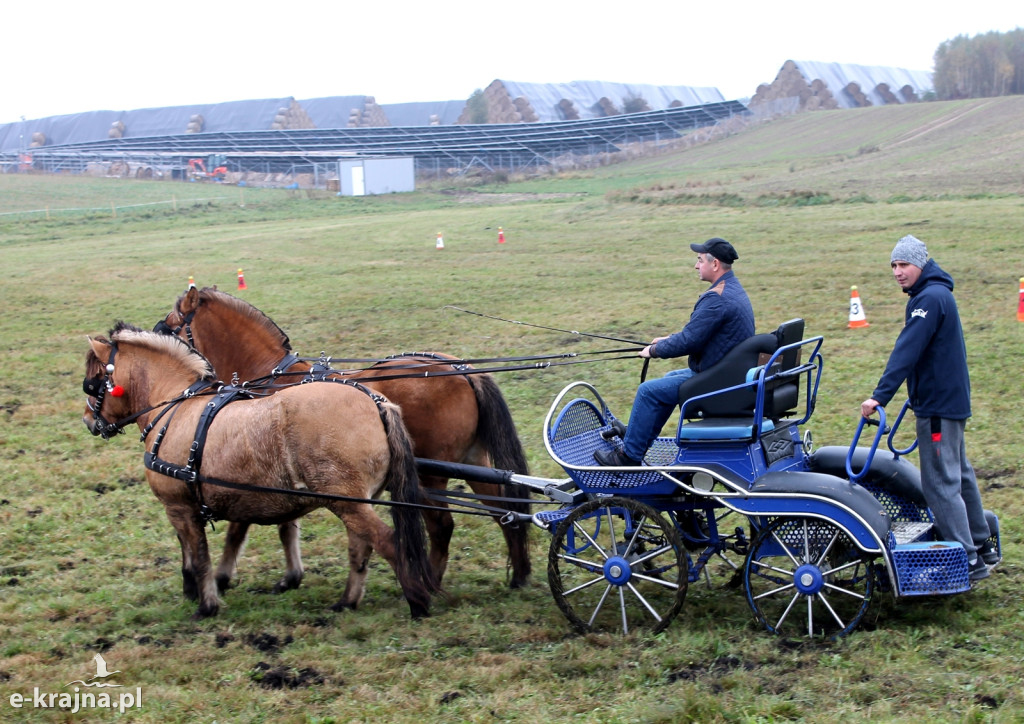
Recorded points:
(236, 337)
(124, 372)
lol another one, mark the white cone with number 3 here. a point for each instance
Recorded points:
(857, 316)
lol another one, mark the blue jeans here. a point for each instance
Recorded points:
(950, 487)
(654, 403)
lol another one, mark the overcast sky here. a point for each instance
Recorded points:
(68, 57)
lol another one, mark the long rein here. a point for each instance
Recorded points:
(192, 477)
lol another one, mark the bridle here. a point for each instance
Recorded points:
(162, 327)
(97, 388)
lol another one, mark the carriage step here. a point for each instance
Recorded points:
(930, 568)
(905, 531)
(551, 518)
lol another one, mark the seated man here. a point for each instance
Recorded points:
(721, 319)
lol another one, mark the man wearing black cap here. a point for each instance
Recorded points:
(721, 319)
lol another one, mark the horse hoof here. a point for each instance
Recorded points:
(342, 606)
(223, 584)
(518, 583)
(287, 584)
(205, 612)
(417, 611)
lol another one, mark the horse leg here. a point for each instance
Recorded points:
(234, 543)
(367, 532)
(289, 535)
(516, 533)
(496, 433)
(196, 556)
(359, 552)
(439, 525)
(189, 589)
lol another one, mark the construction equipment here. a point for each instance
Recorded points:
(213, 168)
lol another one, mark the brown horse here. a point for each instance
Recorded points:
(455, 418)
(325, 438)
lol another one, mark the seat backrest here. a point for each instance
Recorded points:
(729, 371)
(781, 395)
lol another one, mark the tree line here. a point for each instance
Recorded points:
(989, 64)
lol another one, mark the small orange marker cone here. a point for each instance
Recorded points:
(1020, 302)
(857, 317)
(241, 280)
(440, 241)
(191, 283)
(501, 236)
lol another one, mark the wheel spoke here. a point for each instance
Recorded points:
(643, 601)
(600, 605)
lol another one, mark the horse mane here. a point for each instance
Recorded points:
(246, 310)
(164, 344)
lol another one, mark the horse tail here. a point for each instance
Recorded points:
(496, 433)
(402, 481)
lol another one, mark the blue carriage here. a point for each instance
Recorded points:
(812, 534)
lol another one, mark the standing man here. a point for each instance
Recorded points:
(931, 356)
(721, 319)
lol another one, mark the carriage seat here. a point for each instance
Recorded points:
(712, 411)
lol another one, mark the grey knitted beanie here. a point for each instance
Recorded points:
(912, 250)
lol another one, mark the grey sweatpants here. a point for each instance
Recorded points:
(950, 488)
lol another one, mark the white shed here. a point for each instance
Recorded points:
(363, 176)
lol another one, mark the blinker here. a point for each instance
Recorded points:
(92, 386)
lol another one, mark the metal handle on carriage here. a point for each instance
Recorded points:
(892, 433)
(880, 424)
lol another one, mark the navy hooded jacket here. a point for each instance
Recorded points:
(720, 320)
(930, 353)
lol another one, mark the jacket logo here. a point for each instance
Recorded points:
(922, 313)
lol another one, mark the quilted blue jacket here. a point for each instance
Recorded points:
(721, 319)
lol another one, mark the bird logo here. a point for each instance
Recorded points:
(101, 673)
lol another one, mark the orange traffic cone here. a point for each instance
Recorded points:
(857, 317)
(191, 283)
(1020, 302)
(501, 236)
(241, 280)
(440, 241)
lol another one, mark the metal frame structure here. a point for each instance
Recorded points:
(510, 146)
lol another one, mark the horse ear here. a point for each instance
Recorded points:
(100, 347)
(190, 302)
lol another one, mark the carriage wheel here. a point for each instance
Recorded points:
(617, 563)
(807, 575)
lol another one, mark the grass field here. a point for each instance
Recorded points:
(814, 204)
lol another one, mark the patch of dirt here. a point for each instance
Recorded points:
(267, 643)
(282, 677)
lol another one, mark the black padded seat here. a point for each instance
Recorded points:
(781, 393)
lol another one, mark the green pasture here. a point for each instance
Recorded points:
(89, 564)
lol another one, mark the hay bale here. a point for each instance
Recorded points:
(38, 139)
(855, 94)
(568, 110)
(908, 94)
(888, 96)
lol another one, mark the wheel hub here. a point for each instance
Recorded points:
(808, 579)
(617, 570)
